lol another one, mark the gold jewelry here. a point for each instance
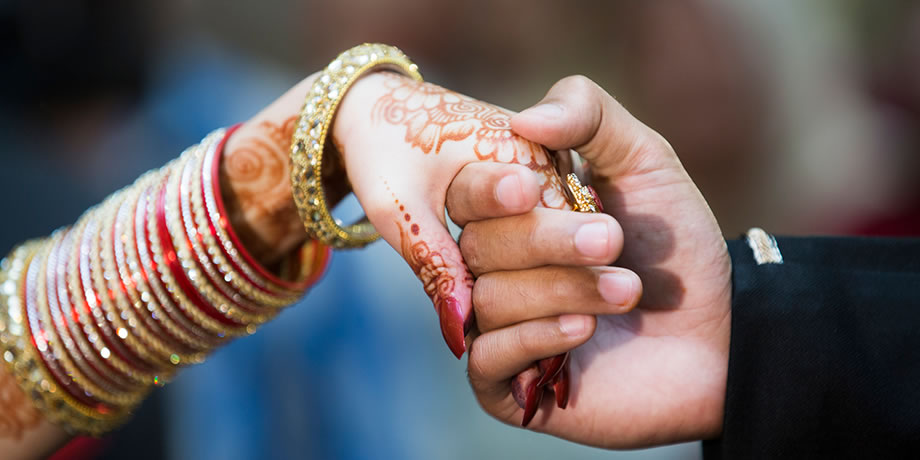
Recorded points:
(58, 304)
(225, 255)
(20, 356)
(585, 198)
(151, 323)
(147, 278)
(310, 137)
(162, 259)
(200, 275)
(121, 324)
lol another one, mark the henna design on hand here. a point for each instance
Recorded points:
(433, 270)
(434, 115)
(18, 414)
(254, 177)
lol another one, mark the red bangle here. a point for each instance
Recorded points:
(172, 263)
(225, 225)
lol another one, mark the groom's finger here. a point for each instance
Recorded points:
(498, 355)
(578, 114)
(541, 237)
(503, 298)
(484, 190)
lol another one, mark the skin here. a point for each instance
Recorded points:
(402, 143)
(642, 376)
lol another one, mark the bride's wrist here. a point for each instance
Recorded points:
(255, 179)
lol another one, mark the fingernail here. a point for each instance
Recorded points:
(550, 368)
(534, 397)
(561, 388)
(617, 288)
(548, 111)
(592, 239)
(509, 192)
(572, 325)
(452, 326)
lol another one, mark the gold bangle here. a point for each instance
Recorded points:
(131, 328)
(95, 323)
(200, 275)
(224, 253)
(213, 326)
(151, 323)
(121, 324)
(310, 137)
(147, 277)
(239, 293)
(26, 367)
(58, 304)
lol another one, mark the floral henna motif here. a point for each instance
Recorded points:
(433, 116)
(18, 414)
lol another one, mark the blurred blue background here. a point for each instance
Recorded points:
(799, 117)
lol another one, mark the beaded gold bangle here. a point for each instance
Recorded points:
(93, 317)
(98, 331)
(26, 367)
(185, 274)
(148, 276)
(151, 324)
(89, 310)
(164, 255)
(117, 316)
(244, 273)
(52, 353)
(70, 334)
(216, 289)
(310, 135)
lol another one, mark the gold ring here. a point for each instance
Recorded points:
(586, 199)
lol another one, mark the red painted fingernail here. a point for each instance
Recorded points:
(597, 198)
(550, 368)
(453, 326)
(532, 401)
(561, 387)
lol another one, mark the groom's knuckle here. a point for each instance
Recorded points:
(579, 86)
(484, 296)
(470, 247)
(560, 285)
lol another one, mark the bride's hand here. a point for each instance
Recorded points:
(402, 143)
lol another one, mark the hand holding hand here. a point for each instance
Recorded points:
(649, 376)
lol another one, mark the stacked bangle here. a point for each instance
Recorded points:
(94, 316)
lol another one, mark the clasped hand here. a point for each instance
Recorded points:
(536, 277)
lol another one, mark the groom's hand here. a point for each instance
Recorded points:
(648, 376)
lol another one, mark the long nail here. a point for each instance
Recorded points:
(521, 382)
(561, 387)
(532, 401)
(550, 368)
(453, 325)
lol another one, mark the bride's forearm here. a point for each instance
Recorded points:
(254, 181)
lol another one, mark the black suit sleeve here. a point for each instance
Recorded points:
(825, 352)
